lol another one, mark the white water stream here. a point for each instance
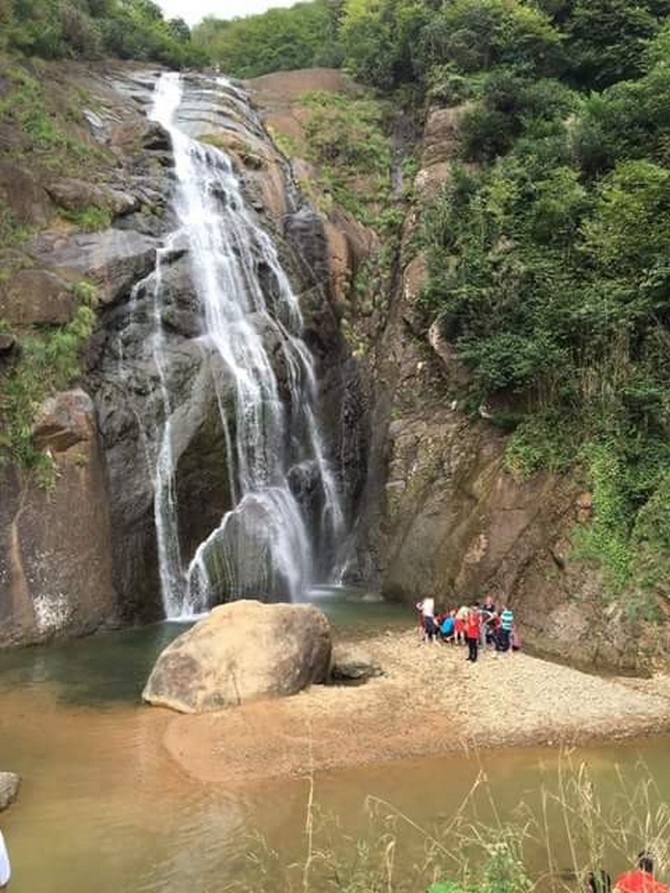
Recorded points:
(262, 545)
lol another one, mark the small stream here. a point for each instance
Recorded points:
(103, 809)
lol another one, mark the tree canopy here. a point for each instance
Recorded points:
(128, 29)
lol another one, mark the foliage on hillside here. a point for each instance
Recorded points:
(550, 274)
(278, 40)
(89, 29)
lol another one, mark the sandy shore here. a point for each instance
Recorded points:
(430, 700)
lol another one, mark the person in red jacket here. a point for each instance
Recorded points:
(641, 879)
(473, 627)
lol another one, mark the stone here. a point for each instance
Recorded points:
(429, 181)
(242, 651)
(25, 196)
(455, 372)
(351, 665)
(440, 136)
(63, 421)
(36, 297)
(76, 195)
(156, 138)
(8, 345)
(114, 260)
(10, 783)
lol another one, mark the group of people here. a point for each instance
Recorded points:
(477, 625)
(640, 880)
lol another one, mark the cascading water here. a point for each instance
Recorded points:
(262, 545)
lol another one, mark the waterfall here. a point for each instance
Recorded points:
(264, 544)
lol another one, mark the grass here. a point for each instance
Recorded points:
(90, 219)
(550, 844)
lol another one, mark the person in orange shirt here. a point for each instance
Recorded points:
(473, 626)
(641, 879)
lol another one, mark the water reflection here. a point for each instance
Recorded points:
(103, 668)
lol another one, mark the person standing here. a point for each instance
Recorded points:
(427, 608)
(487, 610)
(5, 869)
(473, 623)
(506, 627)
(461, 616)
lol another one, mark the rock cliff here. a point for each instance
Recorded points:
(82, 551)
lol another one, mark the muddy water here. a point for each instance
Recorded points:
(103, 809)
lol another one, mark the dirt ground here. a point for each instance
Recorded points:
(428, 701)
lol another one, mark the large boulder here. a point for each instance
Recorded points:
(242, 651)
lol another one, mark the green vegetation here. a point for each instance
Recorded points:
(50, 360)
(128, 29)
(89, 219)
(549, 272)
(552, 839)
(278, 40)
(23, 106)
(347, 144)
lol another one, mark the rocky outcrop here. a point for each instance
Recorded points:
(10, 783)
(36, 297)
(131, 415)
(439, 146)
(241, 652)
(112, 260)
(55, 526)
(55, 560)
(77, 195)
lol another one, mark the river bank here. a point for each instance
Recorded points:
(430, 700)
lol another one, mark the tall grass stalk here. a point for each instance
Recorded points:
(547, 845)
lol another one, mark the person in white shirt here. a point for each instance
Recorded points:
(5, 870)
(427, 608)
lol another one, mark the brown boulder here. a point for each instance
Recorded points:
(242, 651)
(36, 297)
(76, 195)
(440, 136)
(27, 199)
(55, 555)
(64, 420)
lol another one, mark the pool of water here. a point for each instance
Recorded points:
(103, 808)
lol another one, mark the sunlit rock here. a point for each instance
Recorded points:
(241, 652)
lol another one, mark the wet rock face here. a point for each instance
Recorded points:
(131, 411)
(55, 560)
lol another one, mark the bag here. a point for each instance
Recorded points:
(516, 641)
